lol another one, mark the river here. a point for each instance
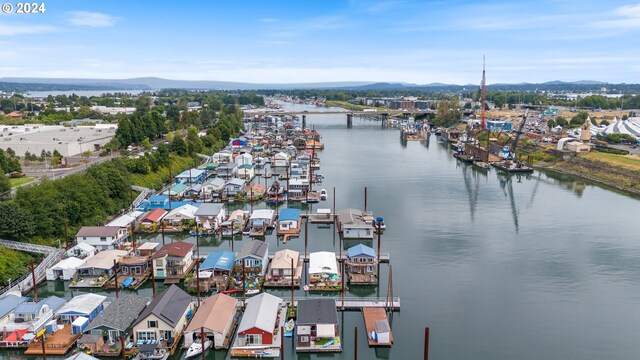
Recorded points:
(538, 267)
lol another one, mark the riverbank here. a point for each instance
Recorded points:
(620, 172)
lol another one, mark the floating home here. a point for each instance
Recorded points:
(279, 273)
(254, 256)
(113, 322)
(161, 323)
(259, 329)
(323, 271)
(65, 269)
(317, 326)
(217, 317)
(172, 262)
(26, 320)
(215, 271)
(86, 305)
(261, 220)
(362, 265)
(98, 269)
(102, 237)
(210, 216)
(289, 222)
(352, 225)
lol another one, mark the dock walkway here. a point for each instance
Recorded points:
(354, 303)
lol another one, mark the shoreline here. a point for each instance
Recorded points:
(599, 181)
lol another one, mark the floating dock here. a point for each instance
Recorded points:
(376, 322)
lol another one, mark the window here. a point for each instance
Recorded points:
(102, 238)
(152, 324)
(146, 335)
(167, 334)
(253, 339)
(159, 262)
(304, 339)
(369, 268)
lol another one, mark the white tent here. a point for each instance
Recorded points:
(631, 126)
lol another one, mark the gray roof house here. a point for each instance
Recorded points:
(117, 318)
(209, 216)
(165, 316)
(255, 256)
(317, 319)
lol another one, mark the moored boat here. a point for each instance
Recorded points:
(196, 348)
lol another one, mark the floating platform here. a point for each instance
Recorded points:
(373, 317)
(57, 343)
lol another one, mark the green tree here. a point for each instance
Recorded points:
(447, 112)
(561, 121)
(15, 222)
(5, 184)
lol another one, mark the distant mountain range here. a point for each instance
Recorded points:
(153, 83)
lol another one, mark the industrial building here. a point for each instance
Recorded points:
(68, 141)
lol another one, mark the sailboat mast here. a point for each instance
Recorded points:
(484, 95)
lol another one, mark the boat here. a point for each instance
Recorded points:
(288, 328)
(231, 291)
(193, 233)
(482, 165)
(196, 348)
(312, 197)
(512, 167)
(379, 222)
(323, 194)
(306, 288)
(252, 292)
(151, 352)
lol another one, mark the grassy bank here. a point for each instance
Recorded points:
(15, 182)
(621, 172)
(13, 264)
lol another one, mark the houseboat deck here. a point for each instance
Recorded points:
(57, 343)
(363, 279)
(371, 315)
(285, 281)
(90, 282)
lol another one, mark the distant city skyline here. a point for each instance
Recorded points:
(298, 42)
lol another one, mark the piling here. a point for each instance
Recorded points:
(355, 343)
(379, 239)
(35, 285)
(202, 341)
(342, 279)
(122, 347)
(365, 198)
(44, 352)
(306, 234)
(244, 280)
(292, 277)
(282, 342)
(334, 203)
(115, 275)
(232, 234)
(153, 280)
(349, 121)
(426, 343)
(162, 224)
(304, 122)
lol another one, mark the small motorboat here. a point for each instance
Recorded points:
(379, 222)
(323, 194)
(252, 291)
(288, 328)
(196, 348)
(231, 291)
(193, 233)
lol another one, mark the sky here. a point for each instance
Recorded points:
(320, 41)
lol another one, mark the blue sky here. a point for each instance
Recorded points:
(316, 41)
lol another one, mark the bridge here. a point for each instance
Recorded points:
(371, 115)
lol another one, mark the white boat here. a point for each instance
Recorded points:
(323, 194)
(252, 292)
(196, 348)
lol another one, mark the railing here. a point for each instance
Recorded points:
(25, 282)
(33, 326)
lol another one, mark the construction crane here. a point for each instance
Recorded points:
(509, 152)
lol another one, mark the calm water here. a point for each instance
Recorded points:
(543, 267)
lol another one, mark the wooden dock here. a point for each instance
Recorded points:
(57, 343)
(354, 303)
(384, 257)
(371, 316)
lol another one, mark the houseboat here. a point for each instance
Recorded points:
(251, 262)
(362, 265)
(289, 221)
(234, 224)
(216, 317)
(284, 263)
(258, 334)
(261, 220)
(323, 271)
(98, 269)
(317, 326)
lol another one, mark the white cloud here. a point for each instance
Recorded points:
(628, 17)
(19, 29)
(91, 19)
(268, 20)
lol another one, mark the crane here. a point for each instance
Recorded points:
(509, 152)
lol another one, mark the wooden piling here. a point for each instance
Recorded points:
(115, 275)
(282, 342)
(153, 280)
(202, 341)
(379, 239)
(292, 277)
(122, 347)
(365, 198)
(44, 351)
(355, 343)
(35, 285)
(162, 224)
(426, 343)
